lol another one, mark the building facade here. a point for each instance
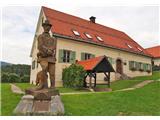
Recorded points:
(155, 52)
(79, 39)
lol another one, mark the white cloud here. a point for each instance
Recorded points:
(19, 24)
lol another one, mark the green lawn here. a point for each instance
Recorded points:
(142, 101)
(154, 76)
(24, 86)
(9, 100)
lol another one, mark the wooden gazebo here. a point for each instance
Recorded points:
(94, 66)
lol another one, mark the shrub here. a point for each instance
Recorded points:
(73, 76)
(4, 77)
(25, 78)
(13, 78)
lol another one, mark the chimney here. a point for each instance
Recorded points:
(92, 19)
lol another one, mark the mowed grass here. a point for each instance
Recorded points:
(24, 86)
(9, 100)
(142, 101)
(154, 76)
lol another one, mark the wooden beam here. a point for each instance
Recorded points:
(95, 82)
(90, 80)
(109, 79)
(84, 82)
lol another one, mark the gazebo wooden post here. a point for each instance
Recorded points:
(95, 78)
(84, 82)
(109, 79)
(90, 80)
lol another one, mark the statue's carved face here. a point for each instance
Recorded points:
(46, 28)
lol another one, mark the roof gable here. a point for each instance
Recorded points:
(63, 24)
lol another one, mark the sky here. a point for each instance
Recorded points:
(19, 23)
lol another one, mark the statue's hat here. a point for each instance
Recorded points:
(46, 23)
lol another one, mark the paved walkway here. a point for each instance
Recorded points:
(16, 89)
(139, 85)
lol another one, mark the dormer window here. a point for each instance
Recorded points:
(99, 38)
(76, 32)
(88, 35)
(129, 46)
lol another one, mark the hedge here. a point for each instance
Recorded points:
(73, 76)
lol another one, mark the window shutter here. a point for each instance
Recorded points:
(137, 65)
(92, 56)
(110, 60)
(72, 57)
(131, 65)
(61, 55)
(145, 67)
(82, 56)
(33, 65)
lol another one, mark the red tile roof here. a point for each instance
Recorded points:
(98, 64)
(63, 24)
(154, 51)
(90, 63)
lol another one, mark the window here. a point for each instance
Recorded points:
(111, 60)
(66, 56)
(76, 32)
(99, 38)
(129, 46)
(33, 64)
(132, 65)
(141, 67)
(88, 35)
(149, 67)
(86, 56)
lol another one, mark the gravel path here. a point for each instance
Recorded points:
(139, 85)
(16, 89)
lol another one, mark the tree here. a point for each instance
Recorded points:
(13, 78)
(5, 77)
(25, 78)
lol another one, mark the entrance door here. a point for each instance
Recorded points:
(119, 66)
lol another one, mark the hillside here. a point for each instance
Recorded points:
(4, 63)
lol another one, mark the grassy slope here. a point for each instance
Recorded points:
(143, 101)
(154, 76)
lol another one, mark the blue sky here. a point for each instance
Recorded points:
(19, 24)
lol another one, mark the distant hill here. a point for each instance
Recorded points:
(19, 69)
(5, 63)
